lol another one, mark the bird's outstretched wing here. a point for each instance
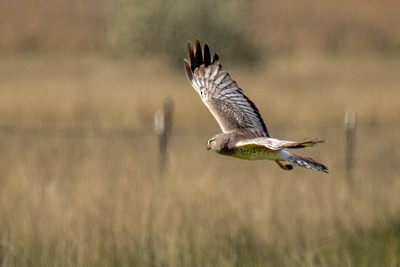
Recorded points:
(220, 93)
(276, 144)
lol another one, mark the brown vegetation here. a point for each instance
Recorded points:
(79, 170)
(79, 176)
(284, 25)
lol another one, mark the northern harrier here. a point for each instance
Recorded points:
(244, 134)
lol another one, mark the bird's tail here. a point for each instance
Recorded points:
(307, 163)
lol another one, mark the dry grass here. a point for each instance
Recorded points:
(79, 176)
(79, 180)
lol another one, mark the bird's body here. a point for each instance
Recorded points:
(251, 152)
(244, 133)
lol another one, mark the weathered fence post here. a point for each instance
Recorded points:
(163, 127)
(350, 122)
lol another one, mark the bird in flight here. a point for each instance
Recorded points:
(244, 134)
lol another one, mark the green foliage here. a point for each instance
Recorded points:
(162, 28)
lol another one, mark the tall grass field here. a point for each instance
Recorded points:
(80, 184)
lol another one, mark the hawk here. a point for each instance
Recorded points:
(244, 134)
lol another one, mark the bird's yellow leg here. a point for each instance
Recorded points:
(284, 165)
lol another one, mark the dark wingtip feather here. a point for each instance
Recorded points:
(216, 57)
(191, 55)
(198, 55)
(207, 55)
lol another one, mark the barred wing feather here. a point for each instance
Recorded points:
(220, 93)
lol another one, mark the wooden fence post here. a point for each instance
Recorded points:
(163, 127)
(350, 122)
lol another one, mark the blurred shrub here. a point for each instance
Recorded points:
(162, 28)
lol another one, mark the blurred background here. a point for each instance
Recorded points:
(85, 180)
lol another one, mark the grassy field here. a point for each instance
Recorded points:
(79, 180)
(79, 160)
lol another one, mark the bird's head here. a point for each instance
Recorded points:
(210, 143)
(218, 142)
